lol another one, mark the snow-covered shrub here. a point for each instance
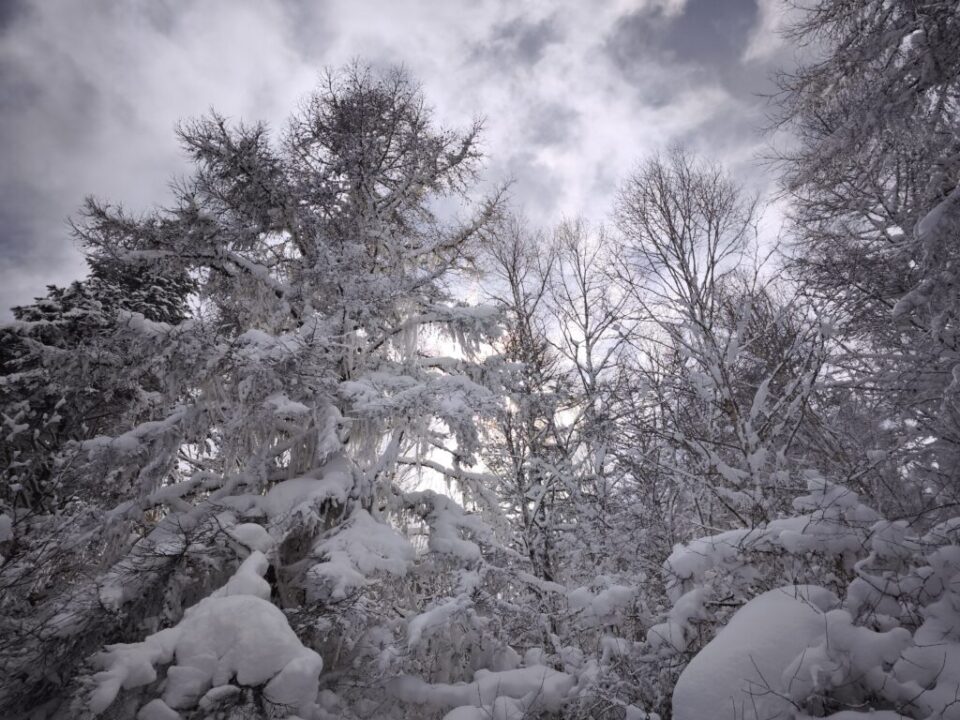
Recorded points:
(233, 639)
(866, 620)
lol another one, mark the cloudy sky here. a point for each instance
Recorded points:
(574, 93)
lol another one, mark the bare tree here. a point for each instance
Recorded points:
(729, 363)
(522, 446)
(686, 226)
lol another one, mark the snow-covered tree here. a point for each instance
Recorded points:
(591, 322)
(524, 448)
(848, 606)
(550, 450)
(69, 374)
(54, 360)
(727, 359)
(259, 452)
(873, 175)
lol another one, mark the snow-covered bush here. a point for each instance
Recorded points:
(861, 615)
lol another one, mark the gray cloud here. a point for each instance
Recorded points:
(10, 12)
(708, 36)
(519, 40)
(574, 93)
(551, 123)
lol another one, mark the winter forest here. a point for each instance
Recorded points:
(339, 434)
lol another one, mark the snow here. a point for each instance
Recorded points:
(173, 493)
(253, 536)
(693, 560)
(933, 220)
(358, 548)
(891, 540)
(731, 677)
(296, 683)
(235, 635)
(283, 406)
(933, 663)
(248, 579)
(837, 524)
(467, 712)
(503, 708)
(136, 321)
(217, 695)
(849, 658)
(185, 685)
(600, 608)
(673, 635)
(132, 441)
(536, 688)
(446, 519)
(333, 482)
(436, 617)
(614, 647)
(259, 345)
(157, 710)
(871, 715)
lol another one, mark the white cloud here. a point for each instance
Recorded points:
(766, 39)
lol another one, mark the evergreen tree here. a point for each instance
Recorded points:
(271, 420)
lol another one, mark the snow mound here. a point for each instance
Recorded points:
(501, 694)
(248, 579)
(732, 677)
(929, 671)
(234, 636)
(850, 660)
(253, 536)
(157, 710)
